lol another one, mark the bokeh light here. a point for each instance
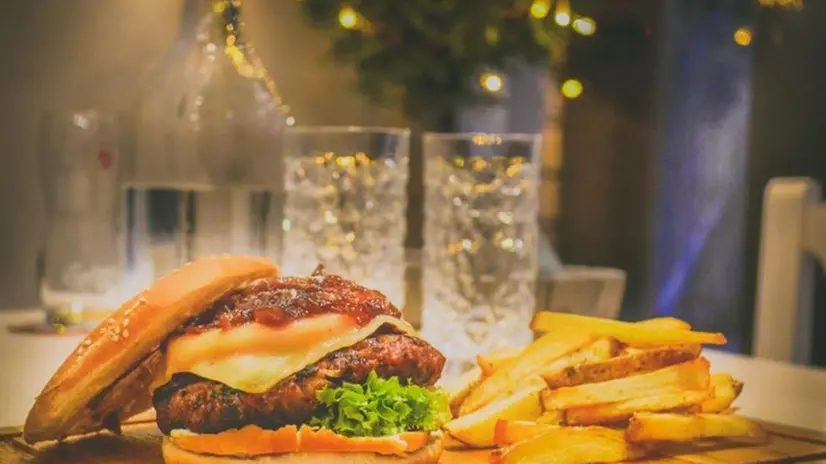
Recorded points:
(571, 88)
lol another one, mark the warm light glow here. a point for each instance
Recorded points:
(742, 37)
(562, 16)
(491, 82)
(572, 88)
(585, 26)
(563, 19)
(481, 139)
(795, 4)
(540, 8)
(348, 18)
(346, 161)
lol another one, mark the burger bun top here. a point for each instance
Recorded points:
(106, 379)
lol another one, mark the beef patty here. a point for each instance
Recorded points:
(205, 406)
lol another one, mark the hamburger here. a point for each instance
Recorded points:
(242, 366)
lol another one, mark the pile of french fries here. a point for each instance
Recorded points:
(593, 390)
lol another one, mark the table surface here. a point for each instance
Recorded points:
(774, 392)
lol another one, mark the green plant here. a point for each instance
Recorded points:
(431, 54)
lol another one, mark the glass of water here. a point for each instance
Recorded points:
(481, 241)
(81, 260)
(346, 197)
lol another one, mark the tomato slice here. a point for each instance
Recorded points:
(326, 440)
(248, 441)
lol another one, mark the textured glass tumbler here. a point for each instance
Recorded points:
(346, 197)
(481, 239)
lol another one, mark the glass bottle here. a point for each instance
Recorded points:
(205, 174)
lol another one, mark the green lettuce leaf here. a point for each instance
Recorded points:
(380, 407)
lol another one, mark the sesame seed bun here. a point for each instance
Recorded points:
(106, 379)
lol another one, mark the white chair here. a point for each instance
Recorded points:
(792, 239)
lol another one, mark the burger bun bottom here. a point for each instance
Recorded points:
(428, 455)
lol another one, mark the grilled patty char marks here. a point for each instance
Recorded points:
(205, 406)
(277, 302)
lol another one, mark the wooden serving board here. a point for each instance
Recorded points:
(140, 445)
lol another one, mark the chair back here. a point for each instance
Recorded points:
(792, 239)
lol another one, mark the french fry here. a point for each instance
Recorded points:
(492, 361)
(685, 410)
(667, 323)
(484, 365)
(477, 429)
(726, 389)
(599, 350)
(653, 427)
(595, 390)
(551, 417)
(448, 442)
(622, 366)
(626, 332)
(670, 323)
(691, 375)
(460, 388)
(508, 432)
(617, 412)
(570, 445)
(627, 350)
(536, 356)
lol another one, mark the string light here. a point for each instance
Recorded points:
(571, 88)
(562, 16)
(585, 26)
(795, 4)
(492, 82)
(742, 37)
(348, 18)
(540, 8)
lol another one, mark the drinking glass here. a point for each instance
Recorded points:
(82, 261)
(481, 241)
(346, 197)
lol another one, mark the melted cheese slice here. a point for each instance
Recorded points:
(254, 358)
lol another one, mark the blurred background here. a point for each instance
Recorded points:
(662, 120)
